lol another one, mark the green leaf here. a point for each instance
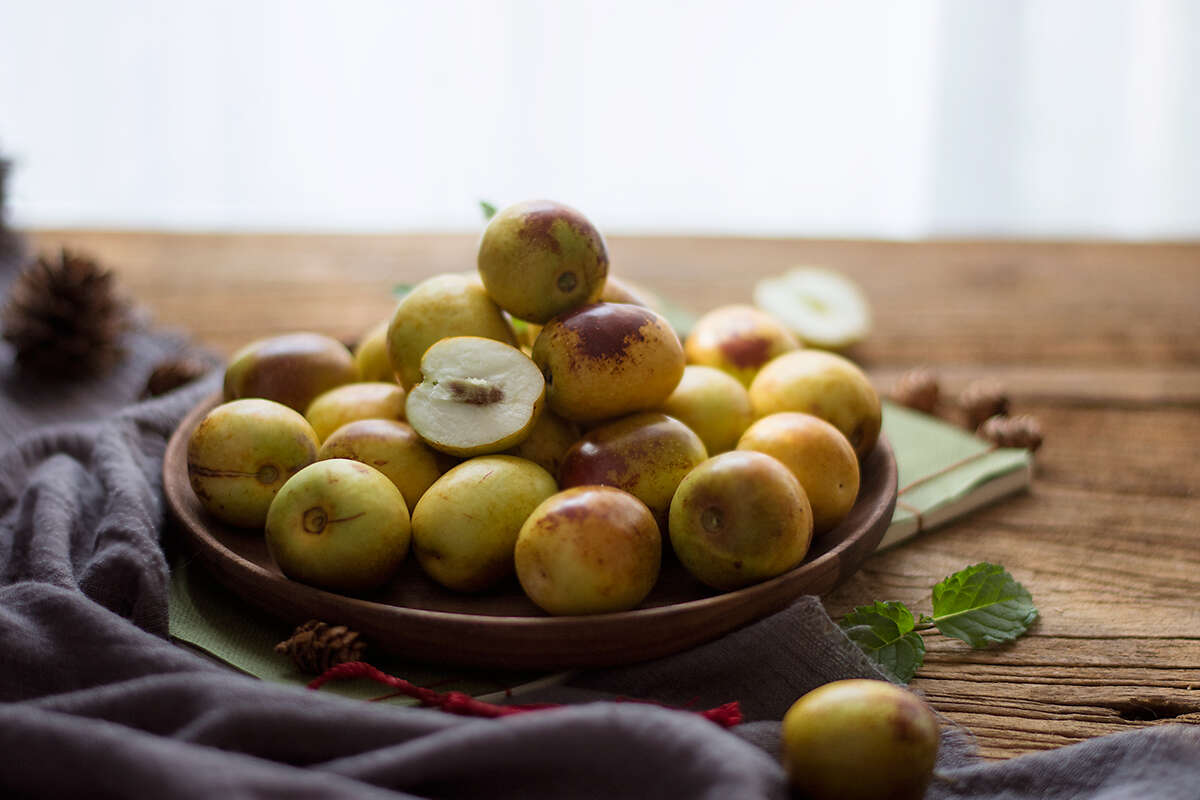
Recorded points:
(488, 209)
(885, 633)
(679, 317)
(519, 326)
(401, 289)
(982, 605)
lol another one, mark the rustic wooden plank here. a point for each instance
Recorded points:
(1129, 386)
(963, 302)
(1088, 576)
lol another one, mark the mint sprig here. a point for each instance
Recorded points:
(885, 632)
(981, 605)
(488, 210)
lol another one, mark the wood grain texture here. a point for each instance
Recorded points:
(1100, 341)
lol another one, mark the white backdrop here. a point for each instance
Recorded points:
(895, 119)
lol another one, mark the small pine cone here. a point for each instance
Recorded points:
(918, 389)
(1019, 431)
(170, 375)
(982, 400)
(63, 316)
(316, 646)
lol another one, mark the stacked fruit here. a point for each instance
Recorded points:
(570, 454)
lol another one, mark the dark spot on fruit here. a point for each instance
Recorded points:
(737, 564)
(587, 463)
(206, 472)
(267, 474)
(574, 509)
(475, 394)
(905, 723)
(567, 282)
(380, 462)
(314, 520)
(606, 330)
(712, 519)
(747, 351)
(538, 226)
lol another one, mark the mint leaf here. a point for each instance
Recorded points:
(982, 605)
(401, 289)
(488, 209)
(885, 633)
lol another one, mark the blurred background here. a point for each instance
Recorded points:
(959, 118)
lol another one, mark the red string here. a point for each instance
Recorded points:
(463, 704)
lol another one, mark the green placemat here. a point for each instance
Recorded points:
(944, 472)
(207, 617)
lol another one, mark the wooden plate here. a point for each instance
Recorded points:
(415, 618)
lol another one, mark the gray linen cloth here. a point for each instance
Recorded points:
(96, 702)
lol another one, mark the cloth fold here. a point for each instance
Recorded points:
(96, 702)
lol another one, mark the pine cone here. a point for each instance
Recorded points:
(982, 400)
(170, 375)
(63, 316)
(316, 646)
(918, 389)
(1019, 431)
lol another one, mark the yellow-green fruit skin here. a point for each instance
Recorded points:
(860, 740)
(465, 526)
(825, 385)
(371, 356)
(588, 550)
(818, 455)
(340, 525)
(539, 258)
(738, 339)
(740, 518)
(714, 404)
(645, 454)
(242, 452)
(292, 369)
(352, 401)
(606, 360)
(393, 448)
(438, 308)
(548, 442)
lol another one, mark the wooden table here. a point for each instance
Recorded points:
(1100, 341)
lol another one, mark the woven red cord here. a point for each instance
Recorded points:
(463, 704)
